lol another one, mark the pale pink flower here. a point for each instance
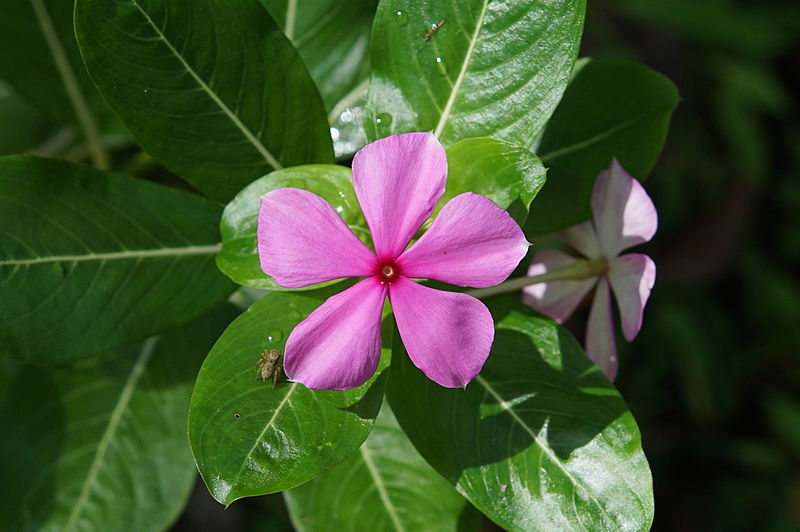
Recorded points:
(472, 242)
(622, 216)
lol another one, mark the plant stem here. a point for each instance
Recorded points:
(575, 271)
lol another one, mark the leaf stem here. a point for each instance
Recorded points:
(575, 271)
(87, 124)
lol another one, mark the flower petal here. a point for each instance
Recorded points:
(448, 335)
(302, 241)
(472, 242)
(398, 181)
(632, 277)
(338, 346)
(557, 299)
(583, 239)
(601, 343)
(624, 215)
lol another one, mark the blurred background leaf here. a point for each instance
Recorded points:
(385, 486)
(101, 444)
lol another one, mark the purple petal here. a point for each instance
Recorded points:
(624, 215)
(472, 242)
(583, 239)
(398, 181)
(338, 346)
(447, 334)
(632, 277)
(302, 241)
(601, 343)
(557, 299)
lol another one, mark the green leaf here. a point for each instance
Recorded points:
(508, 175)
(90, 261)
(239, 256)
(101, 445)
(385, 486)
(332, 37)
(210, 88)
(612, 108)
(249, 438)
(540, 440)
(39, 58)
(493, 69)
(30, 128)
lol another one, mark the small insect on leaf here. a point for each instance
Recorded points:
(433, 30)
(269, 365)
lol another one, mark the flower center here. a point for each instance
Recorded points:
(388, 272)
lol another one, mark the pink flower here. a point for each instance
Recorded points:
(472, 242)
(622, 216)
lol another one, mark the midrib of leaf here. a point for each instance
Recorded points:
(116, 255)
(596, 138)
(376, 477)
(111, 429)
(546, 451)
(269, 424)
(265, 153)
(82, 113)
(448, 108)
(349, 99)
(291, 18)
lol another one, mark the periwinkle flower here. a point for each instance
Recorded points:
(623, 215)
(472, 242)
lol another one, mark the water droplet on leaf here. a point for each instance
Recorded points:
(400, 18)
(441, 66)
(274, 336)
(384, 119)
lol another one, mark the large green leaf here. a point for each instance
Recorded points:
(612, 108)
(249, 438)
(509, 175)
(540, 440)
(39, 58)
(385, 486)
(239, 256)
(210, 88)
(495, 68)
(101, 444)
(90, 261)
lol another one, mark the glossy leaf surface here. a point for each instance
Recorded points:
(494, 68)
(540, 440)
(210, 88)
(101, 444)
(239, 256)
(386, 485)
(90, 261)
(249, 438)
(508, 175)
(611, 108)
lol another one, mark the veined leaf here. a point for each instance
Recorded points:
(101, 445)
(210, 88)
(611, 108)
(39, 57)
(386, 485)
(494, 68)
(239, 256)
(249, 438)
(90, 261)
(540, 440)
